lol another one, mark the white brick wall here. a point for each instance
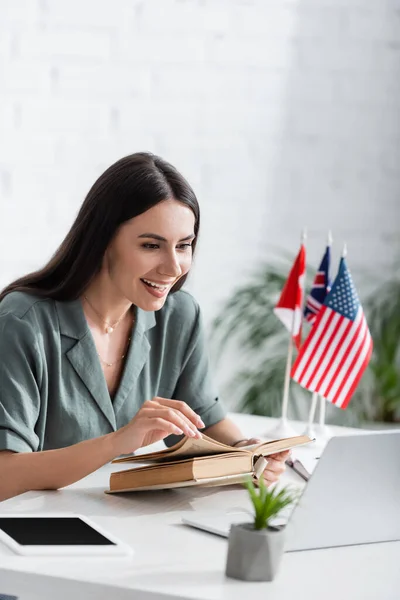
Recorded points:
(282, 113)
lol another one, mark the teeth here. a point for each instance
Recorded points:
(155, 285)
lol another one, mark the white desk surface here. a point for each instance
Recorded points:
(174, 561)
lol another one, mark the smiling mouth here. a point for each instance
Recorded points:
(156, 286)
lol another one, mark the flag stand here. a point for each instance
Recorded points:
(309, 430)
(289, 306)
(283, 429)
(323, 430)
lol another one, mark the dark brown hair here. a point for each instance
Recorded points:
(125, 190)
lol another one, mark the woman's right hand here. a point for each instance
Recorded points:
(154, 421)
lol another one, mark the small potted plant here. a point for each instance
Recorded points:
(256, 548)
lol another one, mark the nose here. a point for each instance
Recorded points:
(171, 265)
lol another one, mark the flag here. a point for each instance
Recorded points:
(320, 288)
(289, 308)
(339, 346)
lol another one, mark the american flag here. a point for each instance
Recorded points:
(320, 288)
(339, 346)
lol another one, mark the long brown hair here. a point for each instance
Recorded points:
(125, 190)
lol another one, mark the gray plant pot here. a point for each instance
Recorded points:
(254, 555)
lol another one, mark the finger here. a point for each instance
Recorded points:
(251, 441)
(183, 408)
(177, 418)
(272, 474)
(275, 465)
(270, 477)
(158, 423)
(280, 455)
(189, 414)
(154, 408)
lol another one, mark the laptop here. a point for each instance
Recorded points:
(352, 497)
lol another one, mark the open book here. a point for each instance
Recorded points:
(200, 461)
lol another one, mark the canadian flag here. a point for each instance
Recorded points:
(289, 308)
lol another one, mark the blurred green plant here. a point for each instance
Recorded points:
(247, 325)
(382, 309)
(268, 502)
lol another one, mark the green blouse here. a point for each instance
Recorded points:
(52, 388)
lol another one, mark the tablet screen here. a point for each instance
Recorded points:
(52, 531)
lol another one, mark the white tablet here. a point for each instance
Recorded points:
(44, 534)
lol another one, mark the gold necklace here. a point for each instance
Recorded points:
(107, 364)
(109, 327)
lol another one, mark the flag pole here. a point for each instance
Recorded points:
(314, 401)
(283, 429)
(322, 410)
(323, 429)
(324, 433)
(309, 430)
(285, 399)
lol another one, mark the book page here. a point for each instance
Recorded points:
(267, 448)
(205, 446)
(185, 448)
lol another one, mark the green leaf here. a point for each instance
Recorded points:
(268, 503)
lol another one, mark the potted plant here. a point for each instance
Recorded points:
(255, 549)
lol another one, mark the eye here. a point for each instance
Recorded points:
(184, 246)
(149, 246)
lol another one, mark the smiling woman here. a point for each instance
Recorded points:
(101, 352)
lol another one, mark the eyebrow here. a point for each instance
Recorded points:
(154, 236)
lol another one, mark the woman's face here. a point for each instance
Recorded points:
(151, 252)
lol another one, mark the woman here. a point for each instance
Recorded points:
(100, 353)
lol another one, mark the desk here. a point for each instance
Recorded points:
(173, 561)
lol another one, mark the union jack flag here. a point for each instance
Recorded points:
(320, 288)
(339, 346)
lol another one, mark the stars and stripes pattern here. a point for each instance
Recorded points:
(320, 289)
(339, 346)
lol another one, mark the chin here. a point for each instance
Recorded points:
(151, 305)
(153, 308)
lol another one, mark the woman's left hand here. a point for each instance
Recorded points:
(275, 462)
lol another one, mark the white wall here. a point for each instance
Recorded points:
(281, 113)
